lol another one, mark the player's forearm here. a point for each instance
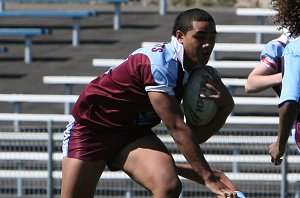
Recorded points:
(287, 115)
(257, 83)
(189, 147)
(186, 171)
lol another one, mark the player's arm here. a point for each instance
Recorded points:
(287, 115)
(261, 79)
(186, 171)
(288, 108)
(169, 111)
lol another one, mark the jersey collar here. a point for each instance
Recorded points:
(179, 50)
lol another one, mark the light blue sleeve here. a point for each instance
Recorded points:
(165, 77)
(164, 68)
(271, 56)
(291, 79)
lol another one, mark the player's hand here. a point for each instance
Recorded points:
(220, 95)
(275, 153)
(219, 92)
(220, 189)
(224, 179)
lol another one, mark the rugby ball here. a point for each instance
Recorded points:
(199, 111)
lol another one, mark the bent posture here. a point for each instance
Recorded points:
(111, 122)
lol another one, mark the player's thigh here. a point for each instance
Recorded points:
(148, 162)
(80, 178)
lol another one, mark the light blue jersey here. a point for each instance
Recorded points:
(272, 53)
(291, 82)
(291, 77)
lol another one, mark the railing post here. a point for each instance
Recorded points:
(76, 32)
(259, 37)
(17, 109)
(163, 7)
(129, 189)
(68, 91)
(235, 164)
(28, 49)
(2, 5)
(50, 160)
(284, 171)
(117, 16)
(297, 189)
(20, 181)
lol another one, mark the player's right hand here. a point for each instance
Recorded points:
(224, 179)
(220, 189)
(276, 153)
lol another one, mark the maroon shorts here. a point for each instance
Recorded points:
(83, 143)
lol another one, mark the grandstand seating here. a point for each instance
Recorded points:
(28, 34)
(18, 99)
(3, 49)
(30, 156)
(218, 64)
(233, 84)
(31, 162)
(259, 30)
(70, 81)
(75, 15)
(259, 13)
(235, 166)
(71, 14)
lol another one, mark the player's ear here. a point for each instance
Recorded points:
(179, 36)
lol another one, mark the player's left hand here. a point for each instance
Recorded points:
(220, 94)
(275, 153)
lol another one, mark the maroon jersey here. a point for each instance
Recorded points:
(114, 109)
(119, 99)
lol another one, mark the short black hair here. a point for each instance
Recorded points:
(184, 20)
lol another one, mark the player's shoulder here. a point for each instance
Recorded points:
(293, 47)
(279, 42)
(275, 47)
(158, 54)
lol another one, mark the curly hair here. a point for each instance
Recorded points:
(288, 14)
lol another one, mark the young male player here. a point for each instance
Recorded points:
(268, 73)
(111, 121)
(288, 14)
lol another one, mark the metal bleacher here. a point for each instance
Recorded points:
(242, 154)
(30, 141)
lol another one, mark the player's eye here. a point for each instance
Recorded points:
(204, 36)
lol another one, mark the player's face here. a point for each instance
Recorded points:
(198, 43)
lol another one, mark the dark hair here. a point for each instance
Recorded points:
(288, 14)
(183, 21)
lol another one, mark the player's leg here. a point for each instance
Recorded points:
(80, 178)
(148, 162)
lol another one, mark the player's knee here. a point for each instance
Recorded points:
(169, 187)
(174, 188)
